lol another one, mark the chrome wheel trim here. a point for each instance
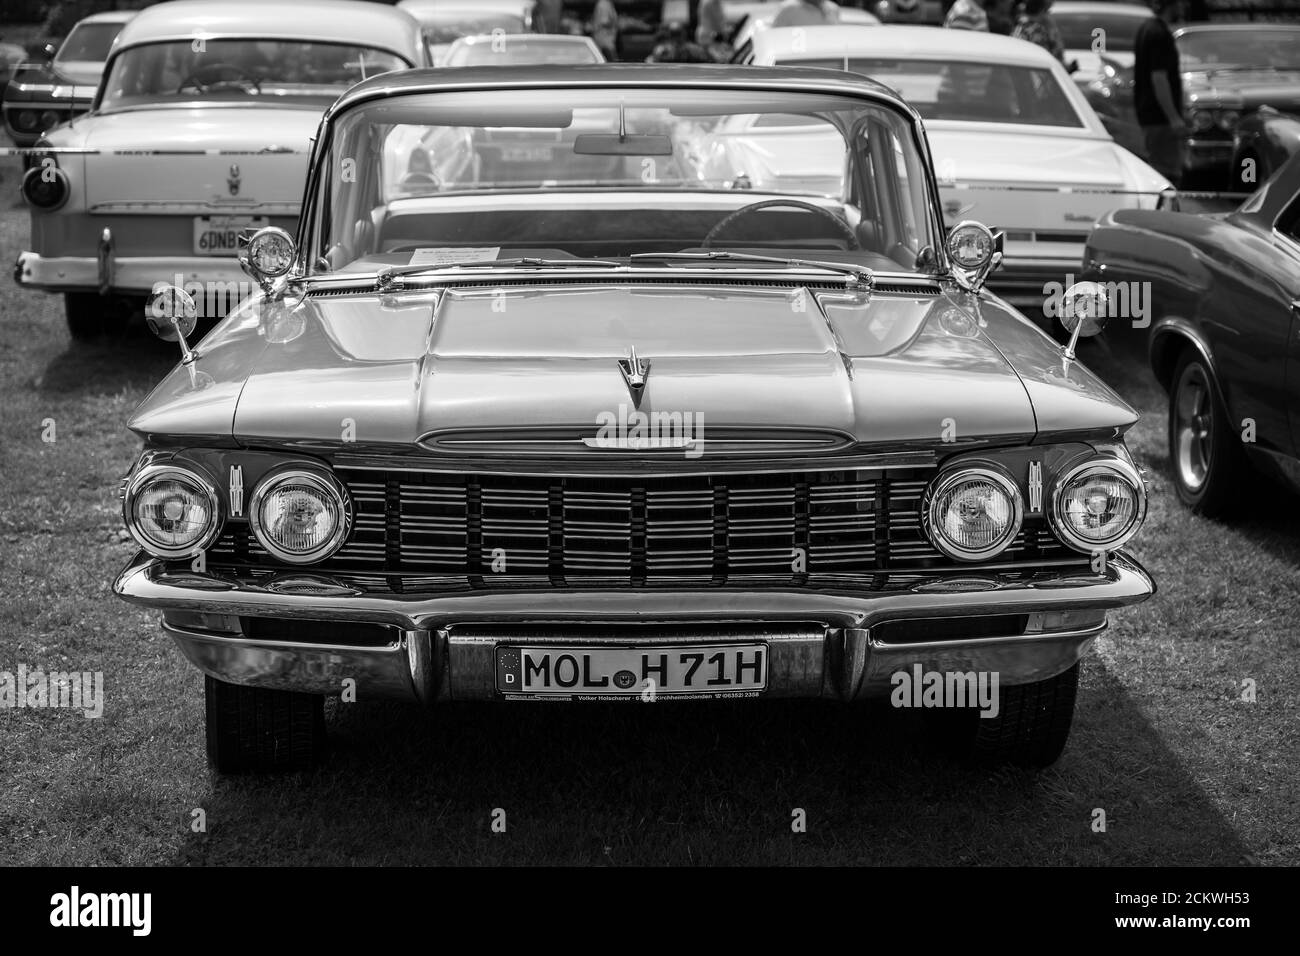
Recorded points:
(1193, 413)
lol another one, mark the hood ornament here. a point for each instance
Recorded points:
(635, 373)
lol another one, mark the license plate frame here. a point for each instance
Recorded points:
(229, 227)
(689, 670)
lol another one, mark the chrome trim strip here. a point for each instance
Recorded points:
(104, 261)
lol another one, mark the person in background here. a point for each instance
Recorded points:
(604, 28)
(967, 15)
(1158, 89)
(1036, 26)
(548, 16)
(806, 13)
(712, 26)
(675, 46)
(1001, 18)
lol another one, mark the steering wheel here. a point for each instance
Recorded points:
(840, 225)
(213, 74)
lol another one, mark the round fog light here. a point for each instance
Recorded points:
(300, 516)
(972, 514)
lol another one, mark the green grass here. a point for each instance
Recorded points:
(1186, 772)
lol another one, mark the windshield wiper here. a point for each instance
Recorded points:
(389, 279)
(861, 273)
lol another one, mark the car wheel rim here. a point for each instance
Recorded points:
(1193, 428)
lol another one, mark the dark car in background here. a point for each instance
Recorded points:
(1229, 72)
(1261, 145)
(40, 96)
(1098, 37)
(1226, 290)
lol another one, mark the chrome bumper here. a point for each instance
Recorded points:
(822, 643)
(135, 275)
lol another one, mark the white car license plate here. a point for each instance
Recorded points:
(526, 154)
(219, 235)
(701, 670)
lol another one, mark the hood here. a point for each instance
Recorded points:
(1243, 89)
(245, 157)
(886, 370)
(81, 72)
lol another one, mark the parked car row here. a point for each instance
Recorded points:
(451, 443)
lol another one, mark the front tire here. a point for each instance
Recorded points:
(257, 730)
(1207, 461)
(1030, 729)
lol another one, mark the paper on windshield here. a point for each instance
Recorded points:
(450, 255)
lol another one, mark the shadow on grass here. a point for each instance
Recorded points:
(712, 783)
(134, 360)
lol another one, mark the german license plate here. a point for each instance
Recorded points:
(219, 235)
(703, 670)
(526, 154)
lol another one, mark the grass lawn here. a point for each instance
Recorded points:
(1186, 772)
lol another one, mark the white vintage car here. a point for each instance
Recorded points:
(199, 131)
(1014, 141)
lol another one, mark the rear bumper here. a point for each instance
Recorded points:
(832, 643)
(125, 275)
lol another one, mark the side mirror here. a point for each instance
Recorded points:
(172, 315)
(267, 255)
(49, 50)
(975, 252)
(1084, 311)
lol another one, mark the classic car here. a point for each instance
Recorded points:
(1261, 144)
(40, 96)
(1098, 37)
(225, 95)
(645, 437)
(527, 49)
(1229, 71)
(446, 21)
(1226, 296)
(1014, 140)
(761, 19)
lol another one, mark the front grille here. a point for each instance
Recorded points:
(504, 530)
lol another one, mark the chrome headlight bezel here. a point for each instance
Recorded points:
(1111, 467)
(324, 482)
(173, 472)
(934, 492)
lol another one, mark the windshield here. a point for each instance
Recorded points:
(444, 27)
(278, 72)
(609, 173)
(521, 51)
(1262, 49)
(1078, 30)
(973, 92)
(89, 42)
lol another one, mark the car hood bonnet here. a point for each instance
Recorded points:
(888, 369)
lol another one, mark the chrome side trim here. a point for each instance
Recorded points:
(104, 261)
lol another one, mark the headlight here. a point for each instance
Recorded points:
(972, 514)
(50, 119)
(1201, 120)
(171, 511)
(26, 120)
(300, 516)
(1228, 119)
(1098, 505)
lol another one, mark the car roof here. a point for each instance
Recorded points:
(898, 41)
(557, 38)
(1134, 10)
(598, 75)
(418, 7)
(332, 21)
(108, 16)
(1235, 27)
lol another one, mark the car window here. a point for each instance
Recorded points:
(492, 170)
(1078, 30)
(253, 71)
(1289, 222)
(452, 25)
(1263, 49)
(520, 52)
(977, 92)
(89, 41)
